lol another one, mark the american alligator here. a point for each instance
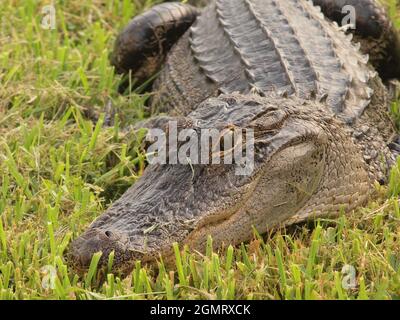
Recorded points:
(318, 109)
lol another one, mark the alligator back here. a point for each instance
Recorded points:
(280, 46)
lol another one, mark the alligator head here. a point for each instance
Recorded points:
(305, 164)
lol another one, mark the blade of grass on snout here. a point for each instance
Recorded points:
(92, 269)
(179, 265)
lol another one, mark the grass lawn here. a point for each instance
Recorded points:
(58, 172)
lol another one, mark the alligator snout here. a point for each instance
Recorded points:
(82, 249)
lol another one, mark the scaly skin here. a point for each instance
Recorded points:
(321, 126)
(374, 30)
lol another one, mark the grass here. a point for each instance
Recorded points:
(58, 172)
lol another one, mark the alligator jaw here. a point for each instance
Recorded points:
(132, 235)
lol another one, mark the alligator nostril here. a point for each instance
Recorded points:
(108, 233)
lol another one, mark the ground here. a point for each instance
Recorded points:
(58, 171)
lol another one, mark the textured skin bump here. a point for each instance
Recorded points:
(266, 49)
(214, 50)
(181, 85)
(374, 30)
(371, 17)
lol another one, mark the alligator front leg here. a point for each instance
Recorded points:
(373, 29)
(141, 48)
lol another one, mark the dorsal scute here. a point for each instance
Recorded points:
(283, 46)
(353, 64)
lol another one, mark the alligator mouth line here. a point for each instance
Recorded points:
(216, 219)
